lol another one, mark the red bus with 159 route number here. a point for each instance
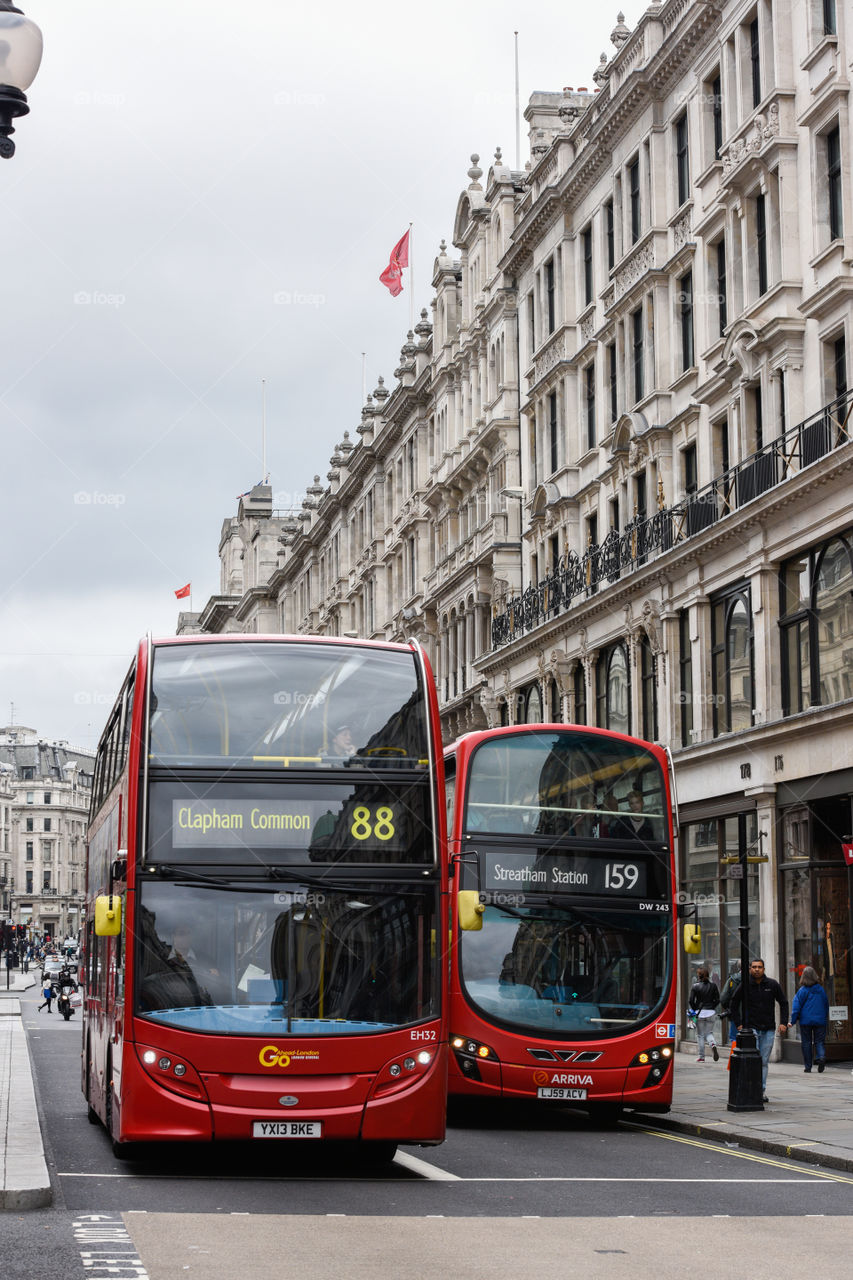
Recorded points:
(563, 952)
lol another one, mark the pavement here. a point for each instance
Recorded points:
(807, 1118)
(24, 1180)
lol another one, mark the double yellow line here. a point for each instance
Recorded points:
(747, 1155)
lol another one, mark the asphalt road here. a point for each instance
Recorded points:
(513, 1191)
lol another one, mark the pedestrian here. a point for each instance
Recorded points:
(810, 1008)
(762, 994)
(703, 1001)
(48, 993)
(730, 986)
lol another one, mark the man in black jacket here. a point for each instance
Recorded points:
(762, 997)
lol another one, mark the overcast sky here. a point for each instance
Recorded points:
(202, 198)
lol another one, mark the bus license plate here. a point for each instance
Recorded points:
(287, 1129)
(563, 1095)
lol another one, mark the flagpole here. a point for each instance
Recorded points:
(363, 378)
(517, 110)
(263, 430)
(411, 280)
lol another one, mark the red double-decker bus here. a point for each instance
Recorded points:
(563, 953)
(267, 897)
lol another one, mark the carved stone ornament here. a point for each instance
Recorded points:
(489, 702)
(764, 127)
(651, 625)
(682, 231)
(635, 269)
(550, 358)
(636, 453)
(562, 668)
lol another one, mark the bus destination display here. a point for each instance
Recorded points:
(564, 873)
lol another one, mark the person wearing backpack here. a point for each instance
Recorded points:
(729, 988)
(702, 1005)
(810, 1008)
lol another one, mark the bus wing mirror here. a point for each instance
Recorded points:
(470, 909)
(692, 939)
(108, 915)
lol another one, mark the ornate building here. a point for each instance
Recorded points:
(45, 788)
(611, 482)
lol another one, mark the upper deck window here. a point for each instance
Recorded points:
(289, 704)
(568, 784)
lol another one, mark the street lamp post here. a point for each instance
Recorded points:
(20, 58)
(745, 1093)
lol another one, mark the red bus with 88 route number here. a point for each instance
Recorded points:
(266, 897)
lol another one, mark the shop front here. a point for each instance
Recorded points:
(816, 884)
(710, 885)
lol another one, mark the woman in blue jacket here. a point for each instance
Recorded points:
(811, 1010)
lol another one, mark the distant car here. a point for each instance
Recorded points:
(51, 970)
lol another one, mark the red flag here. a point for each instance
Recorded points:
(184, 591)
(392, 275)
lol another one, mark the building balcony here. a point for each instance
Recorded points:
(645, 539)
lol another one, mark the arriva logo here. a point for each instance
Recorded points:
(564, 1078)
(273, 1056)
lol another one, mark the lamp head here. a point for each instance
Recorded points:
(20, 57)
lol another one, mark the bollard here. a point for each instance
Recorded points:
(745, 1092)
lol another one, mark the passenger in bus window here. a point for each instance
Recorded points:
(636, 826)
(341, 746)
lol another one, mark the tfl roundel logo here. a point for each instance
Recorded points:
(665, 1030)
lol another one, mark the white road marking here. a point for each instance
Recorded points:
(441, 1175)
(431, 1171)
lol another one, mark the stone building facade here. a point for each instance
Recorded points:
(611, 483)
(45, 788)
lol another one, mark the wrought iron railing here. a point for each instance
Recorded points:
(646, 538)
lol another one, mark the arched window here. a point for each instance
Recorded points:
(579, 690)
(817, 625)
(533, 705)
(732, 661)
(648, 691)
(834, 619)
(555, 702)
(613, 689)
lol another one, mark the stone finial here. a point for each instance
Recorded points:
(381, 392)
(475, 173)
(620, 32)
(423, 329)
(498, 156)
(601, 73)
(346, 446)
